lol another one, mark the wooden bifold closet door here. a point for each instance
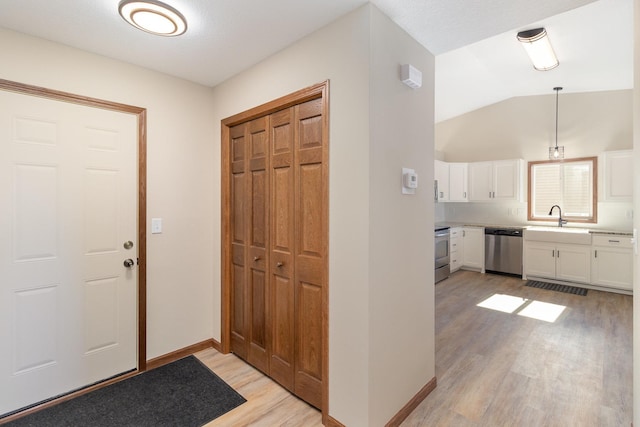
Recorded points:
(276, 232)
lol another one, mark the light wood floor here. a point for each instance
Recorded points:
(493, 368)
(268, 404)
(500, 369)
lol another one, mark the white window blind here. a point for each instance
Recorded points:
(569, 184)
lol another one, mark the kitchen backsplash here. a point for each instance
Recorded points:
(611, 216)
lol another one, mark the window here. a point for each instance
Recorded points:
(570, 184)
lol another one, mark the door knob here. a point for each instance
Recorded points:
(128, 263)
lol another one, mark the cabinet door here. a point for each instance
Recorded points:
(573, 263)
(506, 183)
(473, 248)
(612, 267)
(539, 259)
(458, 182)
(442, 176)
(480, 181)
(618, 175)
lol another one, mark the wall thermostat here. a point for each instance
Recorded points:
(409, 181)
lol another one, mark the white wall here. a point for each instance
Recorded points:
(524, 128)
(402, 358)
(340, 53)
(179, 182)
(369, 344)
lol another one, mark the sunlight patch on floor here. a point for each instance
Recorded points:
(523, 307)
(502, 302)
(542, 311)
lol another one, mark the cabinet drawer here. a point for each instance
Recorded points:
(455, 233)
(611, 241)
(455, 244)
(456, 261)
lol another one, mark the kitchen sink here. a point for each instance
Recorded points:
(576, 236)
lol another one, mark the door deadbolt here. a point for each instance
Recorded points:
(128, 244)
(128, 263)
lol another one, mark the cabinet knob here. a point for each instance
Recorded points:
(256, 258)
(279, 264)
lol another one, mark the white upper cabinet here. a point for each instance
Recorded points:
(458, 182)
(496, 181)
(480, 181)
(618, 176)
(442, 177)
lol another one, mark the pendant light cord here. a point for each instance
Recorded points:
(557, 89)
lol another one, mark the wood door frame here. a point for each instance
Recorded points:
(141, 114)
(320, 90)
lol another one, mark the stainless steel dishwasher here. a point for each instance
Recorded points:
(503, 250)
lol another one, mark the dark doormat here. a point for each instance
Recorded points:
(183, 393)
(556, 287)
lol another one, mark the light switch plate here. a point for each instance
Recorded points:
(156, 225)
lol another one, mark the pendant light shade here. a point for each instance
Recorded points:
(537, 45)
(556, 153)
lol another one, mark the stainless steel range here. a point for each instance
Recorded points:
(442, 268)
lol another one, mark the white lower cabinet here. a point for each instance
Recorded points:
(473, 248)
(558, 261)
(540, 259)
(456, 248)
(612, 262)
(573, 263)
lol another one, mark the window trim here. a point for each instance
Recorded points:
(594, 218)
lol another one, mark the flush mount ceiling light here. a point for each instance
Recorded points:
(556, 153)
(153, 17)
(538, 47)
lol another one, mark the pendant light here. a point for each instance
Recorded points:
(556, 153)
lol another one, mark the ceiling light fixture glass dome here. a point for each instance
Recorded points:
(153, 17)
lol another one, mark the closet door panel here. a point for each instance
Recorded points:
(239, 198)
(258, 210)
(282, 240)
(310, 226)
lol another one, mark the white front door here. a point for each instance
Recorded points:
(68, 204)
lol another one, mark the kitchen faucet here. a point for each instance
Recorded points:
(560, 220)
